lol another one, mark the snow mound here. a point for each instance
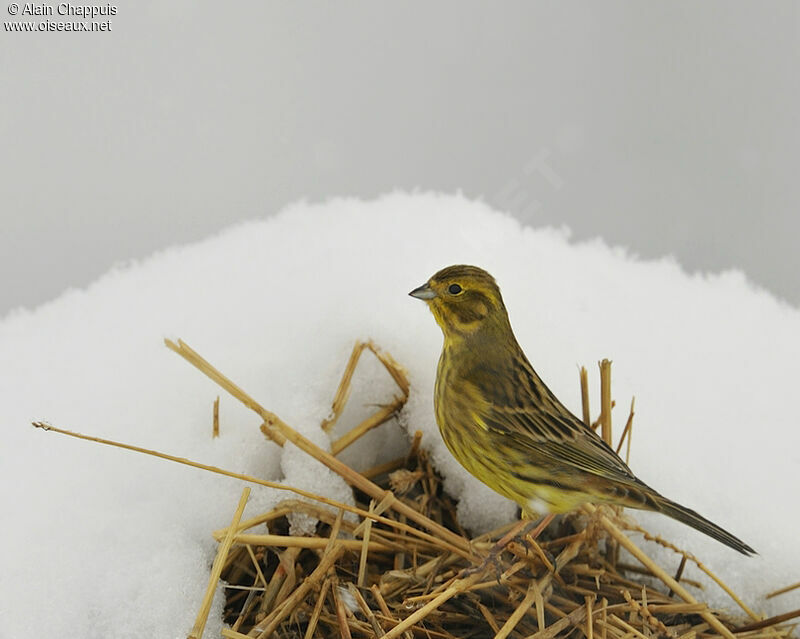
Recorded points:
(100, 542)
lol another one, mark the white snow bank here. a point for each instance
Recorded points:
(98, 542)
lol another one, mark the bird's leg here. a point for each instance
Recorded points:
(528, 542)
(522, 528)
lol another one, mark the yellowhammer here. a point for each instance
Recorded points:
(505, 426)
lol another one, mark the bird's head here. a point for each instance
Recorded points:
(463, 299)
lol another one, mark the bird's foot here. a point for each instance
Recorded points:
(491, 560)
(532, 548)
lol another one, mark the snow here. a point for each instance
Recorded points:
(100, 542)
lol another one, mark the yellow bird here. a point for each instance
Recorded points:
(503, 424)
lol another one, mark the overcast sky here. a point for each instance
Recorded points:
(665, 127)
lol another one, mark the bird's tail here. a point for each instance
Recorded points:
(698, 522)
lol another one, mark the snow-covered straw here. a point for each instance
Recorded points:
(712, 361)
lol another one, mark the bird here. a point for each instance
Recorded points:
(507, 428)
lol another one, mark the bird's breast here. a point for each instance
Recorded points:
(460, 424)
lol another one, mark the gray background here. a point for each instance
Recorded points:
(666, 127)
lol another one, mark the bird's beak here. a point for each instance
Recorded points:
(424, 292)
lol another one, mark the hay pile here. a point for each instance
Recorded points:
(404, 566)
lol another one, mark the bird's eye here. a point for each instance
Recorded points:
(454, 289)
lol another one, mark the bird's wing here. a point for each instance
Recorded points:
(528, 413)
(582, 450)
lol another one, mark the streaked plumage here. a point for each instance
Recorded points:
(505, 426)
